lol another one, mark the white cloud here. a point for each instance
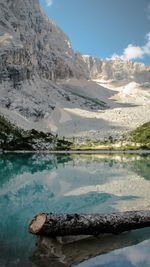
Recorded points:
(134, 51)
(49, 2)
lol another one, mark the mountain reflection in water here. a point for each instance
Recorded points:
(30, 184)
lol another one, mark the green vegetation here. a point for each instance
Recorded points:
(94, 145)
(137, 139)
(14, 138)
(142, 135)
(141, 166)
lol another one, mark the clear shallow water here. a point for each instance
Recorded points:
(30, 184)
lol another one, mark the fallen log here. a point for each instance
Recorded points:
(53, 225)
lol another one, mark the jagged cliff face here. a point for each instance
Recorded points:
(30, 44)
(34, 53)
(117, 70)
(37, 63)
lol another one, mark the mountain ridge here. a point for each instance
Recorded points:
(117, 70)
(45, 85)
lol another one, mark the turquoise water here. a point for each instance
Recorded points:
(30, 184)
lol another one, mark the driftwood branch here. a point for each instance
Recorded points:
(53, 225)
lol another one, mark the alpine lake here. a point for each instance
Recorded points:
(72, 183)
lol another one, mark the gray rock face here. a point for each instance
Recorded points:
(36, 64)
(34, 53)
(31, 44)
(117, 70)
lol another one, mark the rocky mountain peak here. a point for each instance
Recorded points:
(31, 44)
(45, 85)
(117, 70)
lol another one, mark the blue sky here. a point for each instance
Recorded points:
(105, 28)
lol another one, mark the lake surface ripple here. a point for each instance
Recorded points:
(30, 184)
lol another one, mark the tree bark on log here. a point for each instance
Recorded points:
(53, 225)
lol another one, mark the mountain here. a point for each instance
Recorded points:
(31, 44)
(117, 70)
(45, 85)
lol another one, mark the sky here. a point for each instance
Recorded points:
(104, 28)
